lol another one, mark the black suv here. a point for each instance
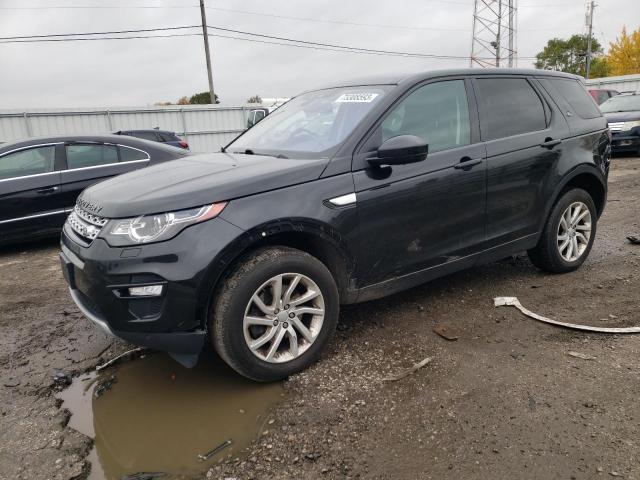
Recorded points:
(344, 194)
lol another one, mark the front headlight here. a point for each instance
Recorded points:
(156, 228)
(629, 125)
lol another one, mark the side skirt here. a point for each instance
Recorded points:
(398, 284)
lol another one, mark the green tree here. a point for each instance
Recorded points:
(569, 55)
(254, 99)
(202, 98)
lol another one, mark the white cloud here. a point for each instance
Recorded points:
(139, 72)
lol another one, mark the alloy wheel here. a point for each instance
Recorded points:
(284, 317)
(574, 231)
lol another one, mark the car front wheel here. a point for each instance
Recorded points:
(274, 313)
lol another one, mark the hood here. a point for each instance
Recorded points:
(622, 116)
(194, 181)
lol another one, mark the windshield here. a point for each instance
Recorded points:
(621, 103)
(312, 124)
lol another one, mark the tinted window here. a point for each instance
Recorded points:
(510, 107)
(602, 97)
(437, 113)
(28, 162)
(576, 95)
(168, 137)
(130, 154)
(81, 156)
(259, 115)
(145, 135)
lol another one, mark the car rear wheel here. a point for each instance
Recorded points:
(274, 313)
(568, 235)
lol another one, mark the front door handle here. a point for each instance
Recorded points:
(45, 191)
(467, 163)
(550, 143)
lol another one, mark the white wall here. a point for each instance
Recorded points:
(205, 127)
(622, 83)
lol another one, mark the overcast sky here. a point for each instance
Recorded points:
(144, 71)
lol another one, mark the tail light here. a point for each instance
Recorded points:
(183, 144)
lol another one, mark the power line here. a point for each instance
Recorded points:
(362, 49)
(337, 22)
(291, 42)
(92, 39)
(113, 32)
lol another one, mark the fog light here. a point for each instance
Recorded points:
(146, 291)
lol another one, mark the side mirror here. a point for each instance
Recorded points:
(400, 150)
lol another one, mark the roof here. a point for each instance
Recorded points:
(400, 78)
(119, 139)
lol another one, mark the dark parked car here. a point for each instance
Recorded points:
(623, 114)
(601, 95)
(156, 135)
(40, 178)
(343, 195)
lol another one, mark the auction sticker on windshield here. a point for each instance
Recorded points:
(356, 97)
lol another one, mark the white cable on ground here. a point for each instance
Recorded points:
(514, 302)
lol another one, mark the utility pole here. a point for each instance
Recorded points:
(589, 22)
(205, 34)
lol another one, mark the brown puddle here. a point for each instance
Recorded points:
(158, 416)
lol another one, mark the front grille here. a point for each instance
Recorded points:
(85, 224)
(615, 126)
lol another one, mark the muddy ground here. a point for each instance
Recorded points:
(504, 401)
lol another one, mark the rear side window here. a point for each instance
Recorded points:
(145, 135)
(28, 162)
(82, 156)
(510, 107)
(576, 96)
(131, 154)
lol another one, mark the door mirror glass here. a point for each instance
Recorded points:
(400, 150)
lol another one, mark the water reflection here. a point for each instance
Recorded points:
(158, 416)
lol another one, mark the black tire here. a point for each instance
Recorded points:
(233, 297)
(545, 255)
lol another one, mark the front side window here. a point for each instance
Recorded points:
(438, 113)
(311, 125)
(510, 107)
(83, 156)
(31, 161)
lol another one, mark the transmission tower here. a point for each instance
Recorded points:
(494, 33)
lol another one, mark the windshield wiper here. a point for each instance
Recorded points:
(248, 151)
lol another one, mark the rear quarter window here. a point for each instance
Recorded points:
(576, 96)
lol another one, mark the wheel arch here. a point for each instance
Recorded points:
(315, 238)
(586, 177)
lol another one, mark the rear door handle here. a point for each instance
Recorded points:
(550, 143)
(467, 163)
(47, 190)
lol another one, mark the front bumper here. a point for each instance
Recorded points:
(98, 275)
(625, 142)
